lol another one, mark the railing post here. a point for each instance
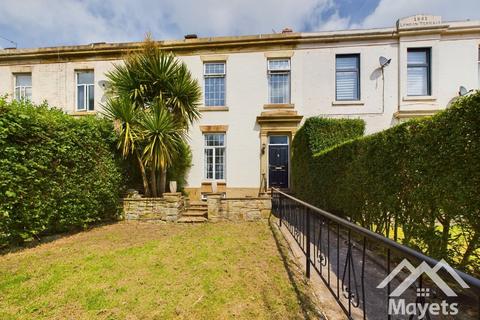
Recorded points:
(307, 249)
(280, 209)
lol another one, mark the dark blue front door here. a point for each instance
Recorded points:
(278, 166)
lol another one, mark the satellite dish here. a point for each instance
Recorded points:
(104, 84)
(462, 91)
(384, 61)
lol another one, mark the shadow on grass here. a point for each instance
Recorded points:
(52, 237)
(298, 282)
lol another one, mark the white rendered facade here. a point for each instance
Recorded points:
(247, 118)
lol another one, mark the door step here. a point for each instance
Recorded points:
(198, 203)
(196, 212)
(192, 219)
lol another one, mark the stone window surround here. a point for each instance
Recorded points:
(207, 129)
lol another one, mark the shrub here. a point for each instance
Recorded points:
(422, 177)
(315, 135)
(57, 173)
(179, 169)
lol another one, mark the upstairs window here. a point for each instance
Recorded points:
(85, 91)
(23, 86)
(347, 77)
(214, 156)
(214, 75)
(279, 81)
(418, 72)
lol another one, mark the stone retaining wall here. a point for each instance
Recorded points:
(238, 209)
(167, 208)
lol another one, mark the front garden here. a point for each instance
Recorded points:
(151, 271)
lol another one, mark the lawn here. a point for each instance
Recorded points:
(151, 271)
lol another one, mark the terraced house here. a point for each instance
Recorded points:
(258, 89)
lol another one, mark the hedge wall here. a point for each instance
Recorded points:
(422, 177)
(57, 173)
(315, 135)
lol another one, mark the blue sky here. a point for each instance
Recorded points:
(40, 23)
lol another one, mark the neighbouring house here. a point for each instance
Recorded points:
(258, 89)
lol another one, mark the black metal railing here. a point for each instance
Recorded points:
(353, 262)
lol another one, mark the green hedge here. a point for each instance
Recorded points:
(57, 173)
(420, 179)
(315, 135)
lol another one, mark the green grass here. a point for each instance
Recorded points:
(151, 271)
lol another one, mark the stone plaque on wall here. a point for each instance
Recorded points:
(419, 20)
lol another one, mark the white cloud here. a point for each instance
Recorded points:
(34, 23)
(54, 22)
(389, 11)
(334, 22)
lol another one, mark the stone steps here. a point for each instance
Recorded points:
(196, 212)
(198, 206)
(194, 209)
(192, 219)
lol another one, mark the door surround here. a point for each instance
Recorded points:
(277, 122)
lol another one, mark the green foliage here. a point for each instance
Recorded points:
(179, 169)
(57, 173)
(162, 134)
(315, 135)
(153, 74)
(422, 177)
(154, 99)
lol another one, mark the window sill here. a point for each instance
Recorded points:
(219, 182)
(279, 106)
(84, 113)
(419, 98)
(343, 103)
(213, 108)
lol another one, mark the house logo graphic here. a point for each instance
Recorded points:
(415, 273)
(420, 307)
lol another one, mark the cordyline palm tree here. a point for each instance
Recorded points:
(153, 98)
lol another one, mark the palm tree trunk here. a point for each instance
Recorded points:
(146, 188)
(153, 177)
(163, 181)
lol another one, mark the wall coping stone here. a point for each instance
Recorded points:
(247, 198)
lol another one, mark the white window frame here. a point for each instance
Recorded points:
(86, 91)
(286, 71)
(214, 148)
(22, 89)
(427, 66)
(215, 75)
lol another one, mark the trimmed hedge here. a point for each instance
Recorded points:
(422, 177)
(57, 173)
(315, 135)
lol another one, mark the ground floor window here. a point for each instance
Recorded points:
(214, 153)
